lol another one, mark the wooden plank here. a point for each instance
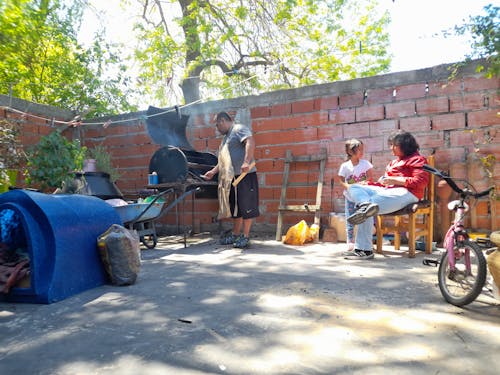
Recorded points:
(300, 207)
(313, 208)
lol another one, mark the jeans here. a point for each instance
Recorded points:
(387, 199)
(349, 210)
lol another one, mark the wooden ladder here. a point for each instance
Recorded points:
(316, 208)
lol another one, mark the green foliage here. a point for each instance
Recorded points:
(222, 49)
(103, 161)
(11, 152)
(53, 159)
(485, 33)
(41, 60)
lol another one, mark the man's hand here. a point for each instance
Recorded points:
(245, 167)
(208, 175)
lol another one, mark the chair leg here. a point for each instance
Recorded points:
(430, 234)
(412, 221)
(397, 233)
(380, 235)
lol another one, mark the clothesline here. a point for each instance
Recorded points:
(77, 121)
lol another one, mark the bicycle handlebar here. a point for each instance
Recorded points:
(453, 185)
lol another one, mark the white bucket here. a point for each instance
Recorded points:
(89, 165)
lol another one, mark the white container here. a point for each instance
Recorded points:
(89, 165)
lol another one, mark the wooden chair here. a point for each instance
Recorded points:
(416, 228)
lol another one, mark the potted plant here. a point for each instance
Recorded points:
(51, 162)
(12, 155)
(99, 157)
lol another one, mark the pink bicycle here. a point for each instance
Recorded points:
(462, 268)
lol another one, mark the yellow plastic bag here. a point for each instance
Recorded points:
(297, 234)
(313, 235)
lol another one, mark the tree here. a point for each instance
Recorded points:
(485, 33)
(41, 60)
(245, 47)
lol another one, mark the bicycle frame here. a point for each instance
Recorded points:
(457, 234)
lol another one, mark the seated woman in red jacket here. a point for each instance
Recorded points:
(403, 183)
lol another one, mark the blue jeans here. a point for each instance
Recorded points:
(349, 210)
(387, 199)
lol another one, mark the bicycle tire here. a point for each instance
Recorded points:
(459, 289)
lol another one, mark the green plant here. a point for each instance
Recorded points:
(12, 155)
(103, 161)
(52, 160)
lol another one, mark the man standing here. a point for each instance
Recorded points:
(236, 157)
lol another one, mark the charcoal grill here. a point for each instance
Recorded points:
(176, 163)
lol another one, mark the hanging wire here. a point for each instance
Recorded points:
(77, 121)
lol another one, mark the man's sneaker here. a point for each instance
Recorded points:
(360, 254)
(363, 212)
(242, 242)
(228, 240)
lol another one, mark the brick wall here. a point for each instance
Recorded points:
(458, 121)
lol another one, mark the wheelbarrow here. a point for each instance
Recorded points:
(141, 216)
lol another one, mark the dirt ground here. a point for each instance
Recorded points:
(271, 309)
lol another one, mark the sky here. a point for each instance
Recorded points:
(415, 31)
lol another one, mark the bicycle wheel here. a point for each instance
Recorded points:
(460, 288)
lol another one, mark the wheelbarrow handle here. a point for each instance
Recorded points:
(158, 196)
(174, 203)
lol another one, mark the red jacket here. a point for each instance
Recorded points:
(411, 167)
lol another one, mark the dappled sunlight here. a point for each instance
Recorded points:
(128, 365)
(221, 296)
(268, 301)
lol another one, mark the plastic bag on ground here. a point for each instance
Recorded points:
(297, 234)
(120, 254)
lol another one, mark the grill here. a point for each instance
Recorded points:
(176, 163)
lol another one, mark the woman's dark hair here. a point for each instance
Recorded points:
(223, 115)
(406, 142)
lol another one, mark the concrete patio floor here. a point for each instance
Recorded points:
(271, 309)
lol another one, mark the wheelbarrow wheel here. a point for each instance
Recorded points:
(149, 241)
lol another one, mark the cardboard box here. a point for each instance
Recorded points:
(330, 235)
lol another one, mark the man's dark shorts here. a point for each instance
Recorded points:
(247, 193)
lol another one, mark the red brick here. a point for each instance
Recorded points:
(382, 127)
(474, 101)
(415, 124)
(374, 143)
(480, 83)
(370, 113)
(352, 100)
(341, 116)
(432, 105)
(448, 121)
(330, 132)
(259, 112)
(303, 106)
(268, 124)
(400, 109)
(430, 140)
(303, 120)
(444, 88)
(356, 130)
(448, 156)
(377, 96)
(483, 118)
(462, 137)
(281, 110)
(328, 102)
(412, 91)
